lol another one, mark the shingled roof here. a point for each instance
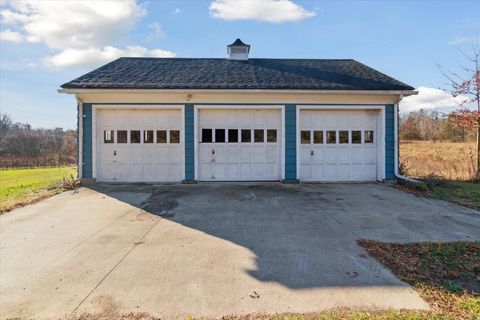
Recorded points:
(197, 73)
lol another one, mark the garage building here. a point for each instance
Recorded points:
(237, 119)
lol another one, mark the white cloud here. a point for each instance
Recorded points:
(176, 11)
(10, 17)
(456, 41)
(156, 32)
(429, 98)
(93, 56)
(275, 11)
(9, 35)
(82, 29)
(73, 24)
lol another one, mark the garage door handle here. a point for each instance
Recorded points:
(311, 152)
(213, 151)
(115, 152)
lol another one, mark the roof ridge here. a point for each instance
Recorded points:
(213, 58)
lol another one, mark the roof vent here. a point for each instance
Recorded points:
(238, 50)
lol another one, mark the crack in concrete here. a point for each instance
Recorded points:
(136, 243)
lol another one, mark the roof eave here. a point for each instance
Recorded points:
(404, 93)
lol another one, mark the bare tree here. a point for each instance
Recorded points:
(24, 146)
(5, 124)
(467, 85)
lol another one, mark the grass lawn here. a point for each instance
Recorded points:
(23, 186)
(460, 192)
(464, 193)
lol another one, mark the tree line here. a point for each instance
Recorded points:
(24, 146)
(435, 126)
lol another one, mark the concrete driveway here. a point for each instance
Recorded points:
(203, 250)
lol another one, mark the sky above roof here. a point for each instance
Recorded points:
(44, 44)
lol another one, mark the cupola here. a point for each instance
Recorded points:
(238, 50)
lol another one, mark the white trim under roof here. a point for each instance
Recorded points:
(360, 92)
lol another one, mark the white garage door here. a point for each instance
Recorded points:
(239, 145)
(338, 145)
(140, 145)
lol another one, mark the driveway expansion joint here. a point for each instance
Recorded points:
(135, 244)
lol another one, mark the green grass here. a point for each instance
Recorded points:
(464, 193)
(460, 192)
(19, 186)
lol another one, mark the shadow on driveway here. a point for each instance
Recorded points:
(304, 236)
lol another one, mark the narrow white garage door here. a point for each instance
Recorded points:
(239, 145)
(140, 145)
(338, 145)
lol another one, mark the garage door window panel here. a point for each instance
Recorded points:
(108, 136)
(207, 135)
(369, 136)
(174, 136)
(122, 136)
(135, 136)
(305, 137)
(343, 136)
(246, 135)
(161, 136)
(148, 136)
(258, 135)
(318, 137)
(331, 137)
(219, 135)
(232, 135)
(356, 137)
(272, 135)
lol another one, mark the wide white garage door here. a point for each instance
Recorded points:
(140, 145)
(239, 145)
(338, 145)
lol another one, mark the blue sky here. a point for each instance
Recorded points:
(46, 43)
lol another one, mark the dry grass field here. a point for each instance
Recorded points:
(444, 160)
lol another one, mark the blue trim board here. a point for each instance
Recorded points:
(87, 141)
(290, 143)
(78, 141)
(189, 143)
(389, 142)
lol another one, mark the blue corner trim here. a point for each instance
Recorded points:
(189, 143)
(78, 141)
(87, 141)
(290, 142)
(389, 142)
